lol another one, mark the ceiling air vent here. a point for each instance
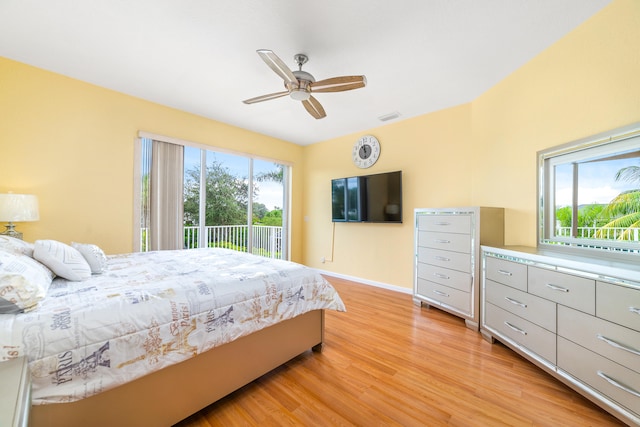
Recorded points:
(389, 116)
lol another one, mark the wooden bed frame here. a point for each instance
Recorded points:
(167, 396)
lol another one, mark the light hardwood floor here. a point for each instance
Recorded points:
(387, 362)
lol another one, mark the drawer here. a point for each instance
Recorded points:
(509, 273)
(538, 310)
(445, 223)
(619, 304)
(454, 298)
(566, 289)
(609, 378)
(451, 278)
(446, 241)
(453, 260)
(615, 342)
(521, 331)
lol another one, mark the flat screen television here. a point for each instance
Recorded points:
(367, 198)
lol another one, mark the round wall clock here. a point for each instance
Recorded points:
(366, 151)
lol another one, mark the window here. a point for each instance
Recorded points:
(589, 193)
(225, 200)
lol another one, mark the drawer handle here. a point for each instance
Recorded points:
(557, 288)
(618, 384)
(618, 345)
(514, 302)
(441, 258)
(442, 276)
(505, 272)
(442, 294)
(634, 310)
(515, 328)
(442, 223)
(442, 241)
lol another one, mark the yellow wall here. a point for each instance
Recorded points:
(482, 153)
(433, 152)
(72, 143)
(587, 83)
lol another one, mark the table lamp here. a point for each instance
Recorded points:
(18, 208)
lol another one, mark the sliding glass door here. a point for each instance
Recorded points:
(230, 201)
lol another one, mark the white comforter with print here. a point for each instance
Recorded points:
(151, 310)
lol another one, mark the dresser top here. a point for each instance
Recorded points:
(601, 268)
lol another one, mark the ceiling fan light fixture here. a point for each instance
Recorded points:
(300, 94)
(300, 84)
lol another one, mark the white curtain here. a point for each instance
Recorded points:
(166, 197)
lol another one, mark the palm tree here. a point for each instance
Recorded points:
(625, 207)
(630, 173)
(274, 175)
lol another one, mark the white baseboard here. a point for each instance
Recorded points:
(367, 282)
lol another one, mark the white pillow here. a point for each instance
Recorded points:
(62, 259)
(17, 245)
(94, 256)
(23, 282)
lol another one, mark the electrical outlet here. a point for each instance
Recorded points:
(322, 260)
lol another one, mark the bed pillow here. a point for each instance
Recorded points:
(94, 256)
(62, 259)
(23, 282)
(17, 245)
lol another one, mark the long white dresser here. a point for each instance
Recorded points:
(447, 257)
(577, 318)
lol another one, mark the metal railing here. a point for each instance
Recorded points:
(266, 240)
(608, 233)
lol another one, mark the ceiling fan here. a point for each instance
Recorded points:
(300, 84)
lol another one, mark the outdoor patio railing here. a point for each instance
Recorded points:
(266, 240)
(610, 233)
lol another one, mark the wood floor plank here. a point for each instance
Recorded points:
(388, 362)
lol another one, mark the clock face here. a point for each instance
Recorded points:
(366, 151)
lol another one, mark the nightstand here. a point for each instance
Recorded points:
(15, 393)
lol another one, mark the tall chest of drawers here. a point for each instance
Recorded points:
(447, 257)
(576, 318)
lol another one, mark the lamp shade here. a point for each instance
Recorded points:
(18, 207)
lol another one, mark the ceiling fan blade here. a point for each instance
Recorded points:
(276, 64)
(314, 108)
(266, 97)
(339, 84)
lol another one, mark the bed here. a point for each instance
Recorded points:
(153, 337)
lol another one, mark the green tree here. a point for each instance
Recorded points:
(624, 209)
(227, 196)
(590, 216)
(259, 211)
(564, 216)
(273, 218)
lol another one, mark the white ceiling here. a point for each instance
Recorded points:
(199, 56)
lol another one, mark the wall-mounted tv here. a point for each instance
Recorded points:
(367, 198)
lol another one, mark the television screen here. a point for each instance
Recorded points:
(367, 198)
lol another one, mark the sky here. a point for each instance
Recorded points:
(597, 182)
